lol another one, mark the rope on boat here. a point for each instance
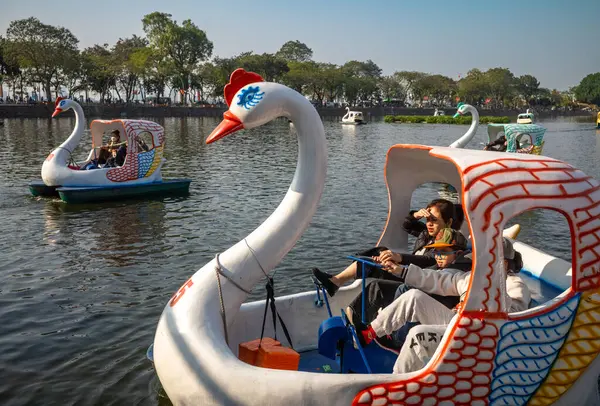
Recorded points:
(256, 258)
(219, 271)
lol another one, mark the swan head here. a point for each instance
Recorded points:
(252, 102)
(61, 105)
(461, 109)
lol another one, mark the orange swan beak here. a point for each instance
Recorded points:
(229, 125)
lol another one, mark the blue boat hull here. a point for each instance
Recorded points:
(39, 188)
(93, 194)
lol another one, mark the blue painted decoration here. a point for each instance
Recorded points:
(250, 97)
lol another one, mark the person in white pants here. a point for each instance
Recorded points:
(417, 306)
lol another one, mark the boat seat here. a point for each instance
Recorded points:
(335, 342)
(331, 332)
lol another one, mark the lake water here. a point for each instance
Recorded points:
(82, 287)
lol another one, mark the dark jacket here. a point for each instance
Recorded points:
(121, 154)
(119, 160)
(463, 262)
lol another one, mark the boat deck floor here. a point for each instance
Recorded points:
(312, 361)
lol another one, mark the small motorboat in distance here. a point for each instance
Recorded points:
(102, 176)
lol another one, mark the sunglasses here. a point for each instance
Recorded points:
(443, 254)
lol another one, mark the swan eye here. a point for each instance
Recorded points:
(62, 103)
(250, 97)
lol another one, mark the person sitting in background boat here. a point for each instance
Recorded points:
(118, 150)
(499, 145)
(439, 214)
(110, 155)
(417, 306)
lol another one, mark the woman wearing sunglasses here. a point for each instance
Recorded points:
(438, 214)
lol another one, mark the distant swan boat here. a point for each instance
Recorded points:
(353, 117)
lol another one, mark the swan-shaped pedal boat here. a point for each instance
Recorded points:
(545, 355)
(523, 137)
(353, 117)
(461, 110)
(139, 175)
(526, 118)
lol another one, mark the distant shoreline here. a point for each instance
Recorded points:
(137, 111)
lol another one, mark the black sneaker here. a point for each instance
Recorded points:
(325, 279)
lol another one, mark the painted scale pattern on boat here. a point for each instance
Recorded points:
(580, 349)
(537, 182)
(134, 166)
(462, 376)
(526, 352)
(149, 161)
(490, 194)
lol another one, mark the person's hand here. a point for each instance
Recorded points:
(423, 213)
(392, 267)
(387, 256)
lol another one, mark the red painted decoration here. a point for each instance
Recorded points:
(238, 79)
(179, 294)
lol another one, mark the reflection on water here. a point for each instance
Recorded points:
(82, 287)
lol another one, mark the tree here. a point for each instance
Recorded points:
(362, 69)
(409, 80)
(500, 82)
(295, 51)
(7, 67)
(220, 73)
(185, 46)
(588, 90)
(130, 57)
(391, 89)
(437, 87)
(71, 76)
(269, 66)
(474, 87)
(41, 49)
(98, 73)
(328, 82)
(299, 75)
(527, 86)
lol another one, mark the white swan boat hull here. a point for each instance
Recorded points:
(218, 383)
(200, 328)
